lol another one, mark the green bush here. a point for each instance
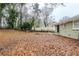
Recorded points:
(26, 26)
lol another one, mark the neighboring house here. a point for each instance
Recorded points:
(69, 27)
(50, 27)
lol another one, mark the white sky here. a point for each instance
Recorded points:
(70, 9)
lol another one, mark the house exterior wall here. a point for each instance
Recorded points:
(55, 29)
(68, 31)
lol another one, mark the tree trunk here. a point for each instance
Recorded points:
(21, 15)
(0, 19)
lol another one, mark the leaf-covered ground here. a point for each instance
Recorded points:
(15, 43)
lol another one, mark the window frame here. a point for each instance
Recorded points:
(73, 23)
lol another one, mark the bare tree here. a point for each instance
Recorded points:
(2, 6)
(48, 9)
(36, 12)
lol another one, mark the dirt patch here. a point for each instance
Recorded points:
(36, 44)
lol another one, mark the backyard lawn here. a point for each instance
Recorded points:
(14, 42)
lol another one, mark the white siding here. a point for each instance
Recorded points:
(76, 24)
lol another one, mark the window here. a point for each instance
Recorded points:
(63, 26)
(76, 25)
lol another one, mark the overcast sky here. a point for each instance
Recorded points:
(70, 10)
